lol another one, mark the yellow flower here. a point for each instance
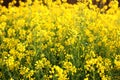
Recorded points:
(24, 70)
(10, 62)
(86, 78)
(29, 37)
(30, 74)
(103, 1)
(11, 32)
(28, 59)
(3, 25)
(64, 0)
(39, 64)
(29, 2)
(117, 64)
(68, 56)
(3, 18)
(70, 41)
(60, 73)
(22, 34)
(87, 32)
(91, 39)
(13, 52)
(11, 79)
(20, 56)
(69, 67)
(19, 24)
(104, 78)
(97, 0)
(59, 47)
(20, 47)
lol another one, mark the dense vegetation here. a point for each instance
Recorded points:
(59, 41)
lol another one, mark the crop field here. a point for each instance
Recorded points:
(54, 40)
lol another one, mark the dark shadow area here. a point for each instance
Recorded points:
(99, 4)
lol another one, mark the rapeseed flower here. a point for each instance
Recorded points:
(45, 39)
(10, 63)
(20, 47)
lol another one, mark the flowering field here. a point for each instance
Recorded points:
(59, 41)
